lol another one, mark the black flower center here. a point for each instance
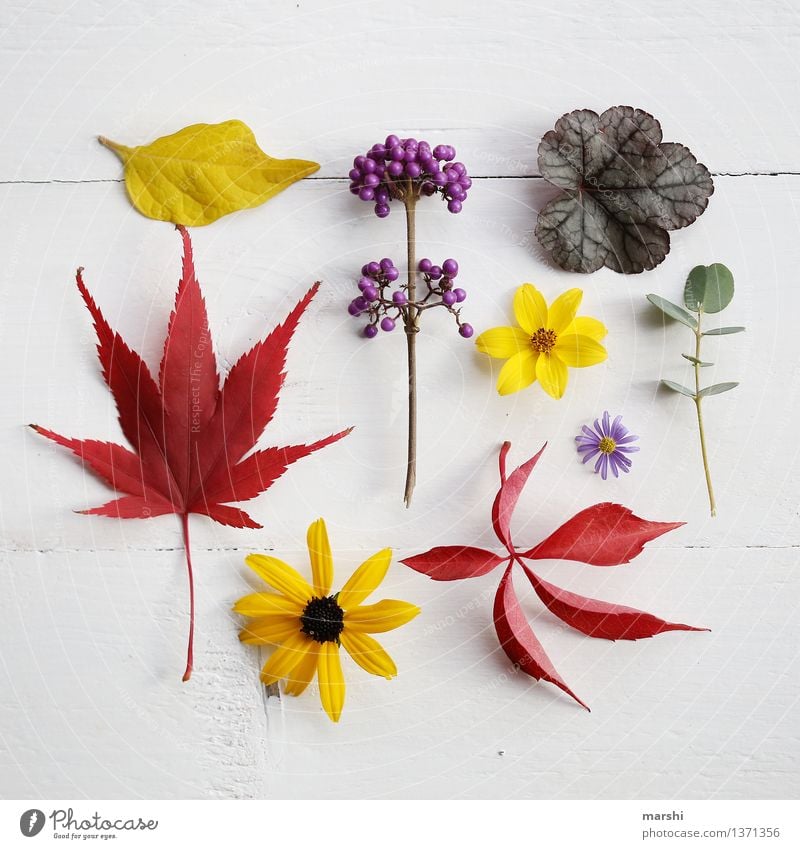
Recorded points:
(323, 619)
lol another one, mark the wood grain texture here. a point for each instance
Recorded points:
(93, 612)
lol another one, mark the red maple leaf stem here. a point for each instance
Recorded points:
(187, 548)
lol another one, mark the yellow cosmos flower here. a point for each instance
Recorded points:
(309, 625)
(546, 342)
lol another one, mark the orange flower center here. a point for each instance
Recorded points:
(544, 340)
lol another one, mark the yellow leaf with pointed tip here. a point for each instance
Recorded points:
(203, 172)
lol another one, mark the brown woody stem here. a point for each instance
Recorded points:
(411, 325)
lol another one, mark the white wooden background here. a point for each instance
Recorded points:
(93, 612)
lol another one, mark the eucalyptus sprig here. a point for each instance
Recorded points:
(708, 290)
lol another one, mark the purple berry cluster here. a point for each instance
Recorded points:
(385, 308)
(391, 170)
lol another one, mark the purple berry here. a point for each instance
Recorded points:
(448, 298)
(367, 193)
(370, 293)
(428, 188)
(397, 153)
(353, 309)
(386, 264)
(425, 265)
(373, 268)
(459, 168)
(460, 294)
(454, 190)
(392, 141)
(440, 178)
(359, 161)
(466, 330)
(440, 151)
(451, 153)
(354, 190)
(395, 169)
(364, 281)
(413, 170)
(355, 174)
(378, 151)
(454, 206)
(391, 274)
(365, 270)
(381, 210)
(361, 303)
(466, 183)
(435, 272)
(372, 180)
(381, 196)
(370, 331)
(387, 324)
(450, 267)
(399, 298)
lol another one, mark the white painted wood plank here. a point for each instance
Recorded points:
(92, 705)
(254, 266)
(325, 80)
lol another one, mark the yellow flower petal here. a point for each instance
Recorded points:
(518, 372)
(303, 674)
(331, 680)
(286, 658)
(579, 351)
(585, 325)
(270, 630)
(365, 579)
(386, 615)
(319, 550)
(368, 654)
(264, 604)
(563, 309)
(503, 342)
(530, 308)
(280, 575)
(552, 374)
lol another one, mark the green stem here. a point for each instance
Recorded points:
(411, 325)
(698, 404)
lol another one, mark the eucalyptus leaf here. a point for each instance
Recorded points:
(696, 361)
(708, 288)
(723, 331)
(678, 387)
(717, 389)
(673, 310)
(622, 189)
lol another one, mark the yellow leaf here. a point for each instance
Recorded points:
(203, 172)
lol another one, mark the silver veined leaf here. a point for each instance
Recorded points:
(678, 387)
(622, 189)
(673, 310)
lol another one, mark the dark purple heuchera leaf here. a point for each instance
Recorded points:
(623, 189)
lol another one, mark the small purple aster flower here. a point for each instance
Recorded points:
(611, 440)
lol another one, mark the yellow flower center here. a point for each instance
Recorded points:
(607, 445)
(544, 340)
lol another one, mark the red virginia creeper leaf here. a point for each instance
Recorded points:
(507, 496)
(600, 618)
(189, 435)
(602, 535)
(453, 562)
(518, 640)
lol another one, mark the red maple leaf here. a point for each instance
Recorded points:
(602, 535)
(191, 437)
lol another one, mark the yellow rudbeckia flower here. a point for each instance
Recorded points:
(545, 343)
(309, 625)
